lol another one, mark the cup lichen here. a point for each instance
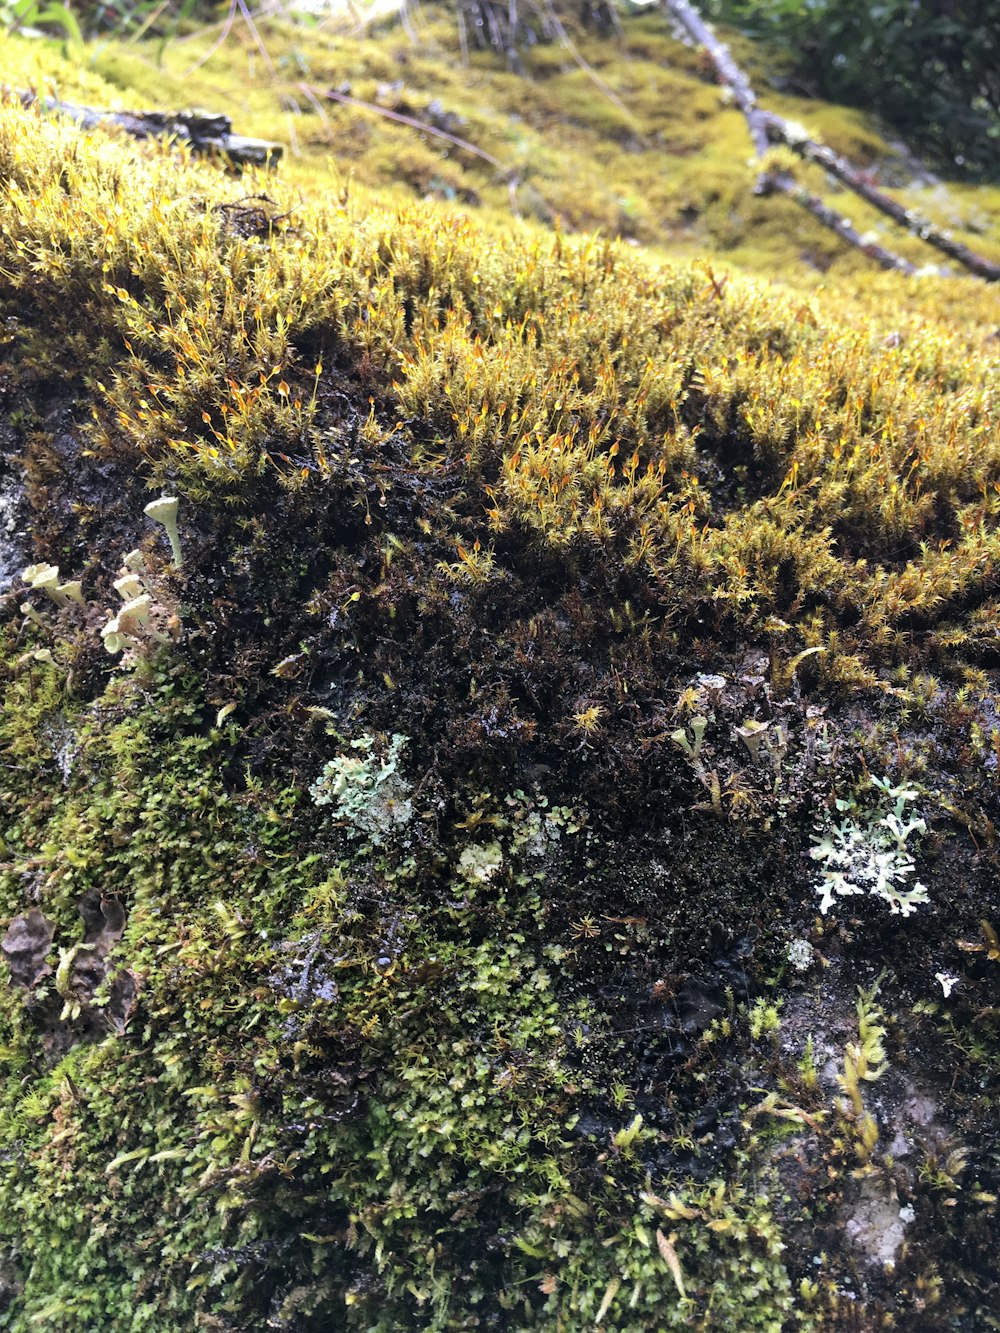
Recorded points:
(164, 511)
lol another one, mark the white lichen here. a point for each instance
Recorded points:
(128, 587)
(800, 954)
(868, 852)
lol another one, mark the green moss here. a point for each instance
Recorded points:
(276, 1119)
(559, 129)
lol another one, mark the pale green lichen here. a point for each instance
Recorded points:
(367, 790)
(164, 511)
(868, 851)
(480, 863)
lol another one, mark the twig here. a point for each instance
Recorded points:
(779, 129)
(765, 127)
(293, 138)
(771, 182)
(415, 124)
(408, 28)
(265, 11)
(252, 29)
(203, 131)
(317, 106)
(148, 22)
(227, 26)
(557, 27)
(509, 174)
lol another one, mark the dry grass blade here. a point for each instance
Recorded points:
(665, 1244)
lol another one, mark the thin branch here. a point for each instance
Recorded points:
(252, 29)
(509, 174)
(415, 124)
(203, 131)
(200, 33)
(293, 138)
(317, 106)
(408, 28)
(771, 182)
(588, 69)
(148, 22)
(766, 127)
(227, 26)
(781, 131)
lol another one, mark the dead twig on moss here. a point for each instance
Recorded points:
(204, 131)
(415, 124)
(588, 69)
(509, 174)
(780, 182)
(781, 131)
(766, 128)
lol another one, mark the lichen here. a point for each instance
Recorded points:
(368, 791)
(869, 851)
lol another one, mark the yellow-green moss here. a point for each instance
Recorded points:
(669, 165)
(748, 451)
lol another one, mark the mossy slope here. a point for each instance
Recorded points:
(626, 134)
(506, 1051)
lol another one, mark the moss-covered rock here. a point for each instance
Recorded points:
(410, 919)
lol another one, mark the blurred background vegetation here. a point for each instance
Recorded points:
(930, 68)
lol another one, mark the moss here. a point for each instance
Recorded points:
(535, 1056)
(311, 1118)
(561, 128)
